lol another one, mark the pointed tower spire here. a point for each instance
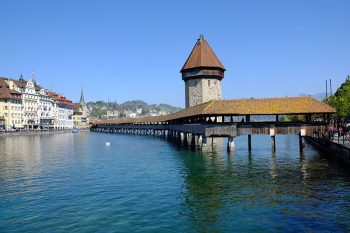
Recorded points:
(202, 55)
(82, 100)
(21, 79)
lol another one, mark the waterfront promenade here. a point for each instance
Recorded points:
(31, 132)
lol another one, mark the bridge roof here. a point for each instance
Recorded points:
(265, 106)
(202, 55)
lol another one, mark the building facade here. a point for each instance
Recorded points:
(30, 101)
(202, 73)
(81, 113)
(25, 104)
(62, 111)
(46, 110)
(10, 107)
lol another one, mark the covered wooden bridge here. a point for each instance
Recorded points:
(304, 116)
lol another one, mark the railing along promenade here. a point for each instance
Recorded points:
(199, 125)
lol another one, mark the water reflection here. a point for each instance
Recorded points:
(270, 190)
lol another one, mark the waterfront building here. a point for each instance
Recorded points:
(62, 112)
(77, 114)
(30, 101)
(10, 106)
(202, 73)
(81, 113)
(25, 104)
(46, 109)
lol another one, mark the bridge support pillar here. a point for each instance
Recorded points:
(199, 140)
(273, 139)
(230, 144)
(193, 140)
(213, 141)
(301, 140)
(249, 142)
(169, 134)
(178, 137)
(185, 140)
(204, 142)
(273, 142)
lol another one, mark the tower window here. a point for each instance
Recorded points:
(208, 83)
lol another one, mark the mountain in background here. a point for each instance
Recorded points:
(318, 96)
(135, 108)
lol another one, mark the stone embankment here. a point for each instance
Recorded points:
(337, 150)
(30, 133)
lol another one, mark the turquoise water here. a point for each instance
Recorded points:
(74, 183)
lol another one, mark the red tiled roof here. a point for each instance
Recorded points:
(202, 55)
(61, 99)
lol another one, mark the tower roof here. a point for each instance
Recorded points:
(202, 55)
(82, 100)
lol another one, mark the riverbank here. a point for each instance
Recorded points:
(337, 150)
(31, 133)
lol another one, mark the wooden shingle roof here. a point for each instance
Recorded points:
(264, 106)
(202, 55)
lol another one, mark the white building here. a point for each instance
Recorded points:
(30, 101)
(39, 108)
(62, 112)
(46, 109)
(113, 114)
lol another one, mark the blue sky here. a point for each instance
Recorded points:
(124, 50)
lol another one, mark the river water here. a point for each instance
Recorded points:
(75, 183)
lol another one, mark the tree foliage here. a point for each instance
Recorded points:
(341, 99)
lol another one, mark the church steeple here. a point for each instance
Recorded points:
(21, 79)
(82, 100)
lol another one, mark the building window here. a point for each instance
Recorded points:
(208, 83)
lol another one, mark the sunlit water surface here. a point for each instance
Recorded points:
(75, 183)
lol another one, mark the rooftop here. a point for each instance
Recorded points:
(202, 55)
(239, 107)
(61, 99)
(6, 92)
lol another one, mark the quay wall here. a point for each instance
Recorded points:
(339, 151)
(31, 133)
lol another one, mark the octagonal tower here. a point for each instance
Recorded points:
(202, 73)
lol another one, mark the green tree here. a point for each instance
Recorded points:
(341, 99)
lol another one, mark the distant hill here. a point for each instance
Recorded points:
(318, 96)
(100, 108)
(134, 103)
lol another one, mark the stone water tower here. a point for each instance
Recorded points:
(202, 73)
